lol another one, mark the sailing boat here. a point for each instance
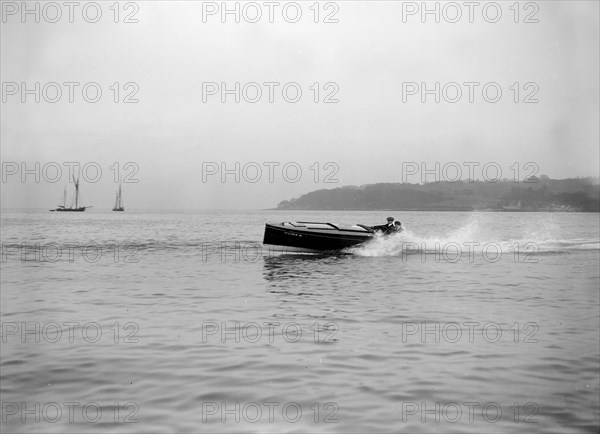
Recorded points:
(119, 201)
(77, 208)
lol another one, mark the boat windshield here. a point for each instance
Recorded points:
(327, 226)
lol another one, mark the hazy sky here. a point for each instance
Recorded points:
(368, 57)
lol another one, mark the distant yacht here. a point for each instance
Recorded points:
(77, 208)
(119, 201)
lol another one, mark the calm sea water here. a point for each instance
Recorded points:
(180, 322)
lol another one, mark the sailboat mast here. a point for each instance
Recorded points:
(76, 192)
(120, 197)
(64, 202)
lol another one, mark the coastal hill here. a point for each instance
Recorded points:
(532, 194)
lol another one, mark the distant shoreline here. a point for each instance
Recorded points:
(432, 210)
(533, 195)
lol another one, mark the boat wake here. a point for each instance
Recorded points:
(471, 238)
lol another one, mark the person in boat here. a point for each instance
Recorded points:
(398, 226)
(386, 229)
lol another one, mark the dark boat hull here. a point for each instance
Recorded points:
(82, 209)
(309, 237)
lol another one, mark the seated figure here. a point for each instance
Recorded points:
(386, 229)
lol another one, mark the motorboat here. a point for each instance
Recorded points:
(314, 237)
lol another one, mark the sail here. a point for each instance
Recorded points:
(119, 201)
(76, 191)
